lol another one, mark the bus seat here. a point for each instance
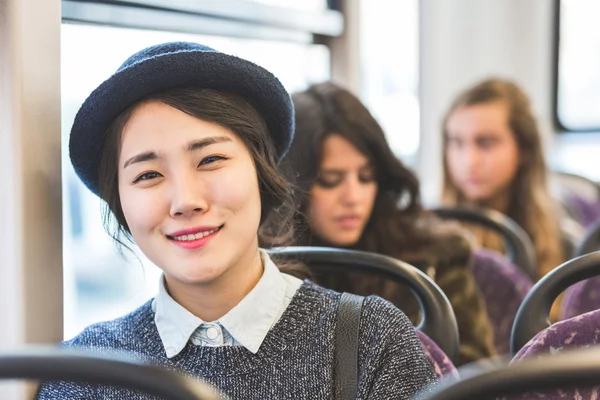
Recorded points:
(442, 365)
(532, 321)
(520, 250)
(591, 240)
(581, 298)
(580, 331)
(540, 378)
(585, 211)
(437, 330)
(584, 296)
(504, 287)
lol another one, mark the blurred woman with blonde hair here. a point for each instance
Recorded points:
(493, 158)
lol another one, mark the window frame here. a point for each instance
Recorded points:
(233, 18)
(559, 126)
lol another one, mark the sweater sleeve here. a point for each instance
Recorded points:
(392, 363)
(61, 390)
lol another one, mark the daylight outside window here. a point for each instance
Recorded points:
(578, 86)
(390, 70)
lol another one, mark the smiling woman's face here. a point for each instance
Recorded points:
(189, 193)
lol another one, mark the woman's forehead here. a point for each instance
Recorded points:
(160, 126)
(473, 118)
(339, 152)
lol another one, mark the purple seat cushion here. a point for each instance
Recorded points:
(504, 287)
(578, 332)
(441, 363)
(585, 211)
(584, 296)
(581, 298)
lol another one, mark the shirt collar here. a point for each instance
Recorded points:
(174, 323)
(248, 322)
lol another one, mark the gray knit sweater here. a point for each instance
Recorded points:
(294, 362)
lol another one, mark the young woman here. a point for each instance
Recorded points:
(493, 158)
(356, 194)
(182, 144)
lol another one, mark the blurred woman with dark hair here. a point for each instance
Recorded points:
(354, 193)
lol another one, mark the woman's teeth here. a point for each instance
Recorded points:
(197, 236)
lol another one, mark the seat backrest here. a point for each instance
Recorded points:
(579, 332)
(438, 321)
(584, 296)
(533, 315)
(581, 298)
(574, 183)
(527, 380)
(504, 287)
(591, 240)
(583, 210)
(442, 365)
(520, 249)
(78, 366)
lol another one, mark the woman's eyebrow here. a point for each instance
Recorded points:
(192, 146)
(146, 156)
(333, 171)
(200, 144)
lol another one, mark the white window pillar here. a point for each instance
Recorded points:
(345, 50)
(464, 41)
(30, 185)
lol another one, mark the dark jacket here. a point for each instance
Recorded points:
(447, 260)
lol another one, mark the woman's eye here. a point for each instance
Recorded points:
(367, 177)
(328, 183)
(147, 176)
(486, 143)
(211, 159)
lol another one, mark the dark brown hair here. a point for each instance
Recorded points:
(232, 112)
(326, 109)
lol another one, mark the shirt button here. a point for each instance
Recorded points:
(212, 333)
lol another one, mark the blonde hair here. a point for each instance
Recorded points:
(530, 205)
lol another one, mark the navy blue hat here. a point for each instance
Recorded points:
(175, 65)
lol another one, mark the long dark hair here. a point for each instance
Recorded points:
(232, 112)
(531, 204)
(325, 109)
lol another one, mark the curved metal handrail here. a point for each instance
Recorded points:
(59, 364)
(438, 322)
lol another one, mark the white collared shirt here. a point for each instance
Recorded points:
(247, 324)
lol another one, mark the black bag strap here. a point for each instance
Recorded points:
(346, 346)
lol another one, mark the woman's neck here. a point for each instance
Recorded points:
(500, 202)
(213, 300)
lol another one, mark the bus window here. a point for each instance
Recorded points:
(578, 86)
(389, 40)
